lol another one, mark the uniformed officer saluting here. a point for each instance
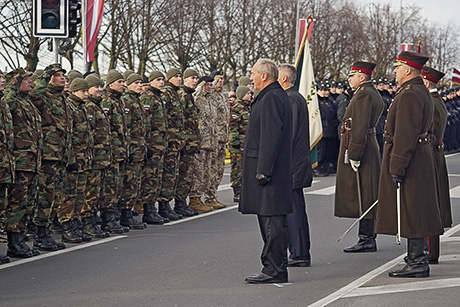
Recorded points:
(408, 164)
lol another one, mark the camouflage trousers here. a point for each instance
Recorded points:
(236, 169)
(3, 202)
(185, 180)
(170, 175)
(151, 179)
(74, 196)
(132, 182)
(93, 192)
(112, 183)
(50, 186)
(22, 197)
(219, 165)
(202, 174)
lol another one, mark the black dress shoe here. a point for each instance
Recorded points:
(362, 247)
(418, 270)
(433, 261)
(299, 263)
(262, 278)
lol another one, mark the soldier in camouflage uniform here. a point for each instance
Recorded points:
(77, 175)
(135, 121)
(102, 156)
(22, 194)
(220, 102)
(192, 144)
(238, 123)
(202, 159)
(156, 141)
(175, 118)
(7, 163)
(113, 107)
(48, 97)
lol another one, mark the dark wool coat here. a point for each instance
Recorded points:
(407, 152)
(439, 125)
(364, 109)
(302, 173)
(268, 151)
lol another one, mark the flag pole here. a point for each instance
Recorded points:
(83, 35)
(304, 38)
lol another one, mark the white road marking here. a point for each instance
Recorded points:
(224, 187)
(230, 207)
(325, 191)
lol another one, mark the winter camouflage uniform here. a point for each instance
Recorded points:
(135, 121)
(238, 123)
(102, 155)
(28, 141)
(156, 142)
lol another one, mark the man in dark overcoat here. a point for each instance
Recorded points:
(267, 176)
(431, 78)
(408, 165)
(359, 156)
(302, 173)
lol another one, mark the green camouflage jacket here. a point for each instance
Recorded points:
(100, 130)
(7, 164)
(238, 123)
(155, 121)
(174, 115)
(191, 130)
(220, 102)
(113, 107)
(27, 123)
(207, 117)
(135, 120)
(82, 139)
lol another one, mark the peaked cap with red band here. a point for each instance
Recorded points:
(412, 59)
(432, 74)
(362, 67)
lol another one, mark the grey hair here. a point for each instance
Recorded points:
(269, 67)
(290, 70)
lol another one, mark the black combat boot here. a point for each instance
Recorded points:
(98, 219)
(109, 223)
(56, 226)
(151, 216)
(44, 241)
(84, 237)
(236, 194)
(128, 220)
(433, 249)
(366, 242)
(416, 260)
(4, 259)
(69, 235)
(166, 212)
(31, 229)
(77, 223)
(17, 248)
(91, 228)
(180, 207)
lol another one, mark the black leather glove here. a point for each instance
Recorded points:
(262, 179)
(72, 167)
(397, 180)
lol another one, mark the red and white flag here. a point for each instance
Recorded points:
(94, 13)
(406, 47)
(456, 76)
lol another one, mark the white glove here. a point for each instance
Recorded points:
(355, 164)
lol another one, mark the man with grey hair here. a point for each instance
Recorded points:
(267, 177)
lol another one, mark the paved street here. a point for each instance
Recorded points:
(202, 261)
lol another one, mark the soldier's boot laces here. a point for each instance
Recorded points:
(110, 224)
(166, 212)
(151, 216)
(44, 240)
(69, 235)
(180, 207)
(197, 205)
(128, 220)
(76, 227)
(92, 229)
(17, 248)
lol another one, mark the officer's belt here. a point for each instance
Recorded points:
(423, 138)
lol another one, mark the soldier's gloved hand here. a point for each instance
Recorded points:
(72, 167)
(149, 153)
(49, 71)
(355, 164)
(262, 179)
(397, 180)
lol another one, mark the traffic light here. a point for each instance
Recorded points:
(74, 17)
(50, 18)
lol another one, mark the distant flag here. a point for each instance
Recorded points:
(94, 13)
(406, 47)
(456, 76)
(305, 82)
(419, 45)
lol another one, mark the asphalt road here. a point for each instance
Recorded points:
(203, 261)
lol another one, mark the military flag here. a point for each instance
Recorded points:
(305, 82)
(406, 47)
(456, 76)
(94, 13)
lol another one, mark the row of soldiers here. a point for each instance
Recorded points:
(451, 97)
(70, 155)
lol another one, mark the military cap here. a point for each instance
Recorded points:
(244, 80)
(190, 72)
(133, 78)
(362, 67)
(333, 83)
(113, 75)
(323, 85)
(156, 74)
(55, 67)
(78, 84)
(381, 80)
(375, 81)
(340, 84)
(432, 74)
(37, 74)
(215, 73)
(127, 73)
(74, 74)
(241, 91)
(94, 80)
(172, 72)
(415, 60)
(205, 79)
